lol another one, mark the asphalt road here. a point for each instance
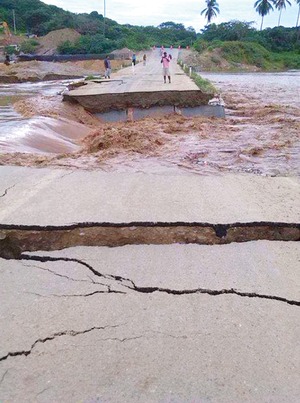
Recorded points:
(148, 323)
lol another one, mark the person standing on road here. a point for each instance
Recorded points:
(107, 66)
(134, 59)
(144, 59)
(165, 60)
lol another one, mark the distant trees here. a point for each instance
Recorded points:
(298, 15)
(211, 10)
(277, 39)
(36, 17)
(228, 31)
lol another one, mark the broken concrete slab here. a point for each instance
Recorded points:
(217, 111)
(160, 111)
(140, 87)
(156, 111)
(46, 197)
(113, 116)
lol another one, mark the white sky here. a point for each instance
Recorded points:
(138, 12)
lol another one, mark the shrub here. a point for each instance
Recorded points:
(29, 46)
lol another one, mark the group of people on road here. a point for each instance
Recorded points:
(165, 60)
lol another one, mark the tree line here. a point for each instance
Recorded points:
(263, 7)
(98, 35)
(102, 36)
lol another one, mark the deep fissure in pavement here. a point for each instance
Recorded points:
(15, 239)
(71, 333)
(130, 285)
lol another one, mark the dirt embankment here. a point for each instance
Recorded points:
(35, 71)
(50, 42)
(213, 61)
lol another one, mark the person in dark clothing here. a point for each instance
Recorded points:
(107, 66)
(7, 60)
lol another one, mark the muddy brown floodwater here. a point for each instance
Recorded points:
(260, 134)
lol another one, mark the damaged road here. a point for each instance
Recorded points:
(148, 288)
(172, 310)
(16, 239)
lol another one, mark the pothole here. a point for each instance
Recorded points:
(16, 239)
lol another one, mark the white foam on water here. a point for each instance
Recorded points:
(41, 135)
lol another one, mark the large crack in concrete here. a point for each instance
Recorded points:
(6, 190)
(130, 285)
(90, 281)
(15, 239)
(71, 333)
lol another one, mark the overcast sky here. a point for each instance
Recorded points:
(187, 12)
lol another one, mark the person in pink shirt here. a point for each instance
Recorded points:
(165, 60)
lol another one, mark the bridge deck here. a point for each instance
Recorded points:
(141, 86)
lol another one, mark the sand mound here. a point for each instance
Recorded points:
(39, 71)
(51, 41)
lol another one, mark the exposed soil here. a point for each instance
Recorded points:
(213, 61)
(43, 71)
(50, 42)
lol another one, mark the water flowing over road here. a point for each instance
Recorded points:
(260, 134)
(37, 134)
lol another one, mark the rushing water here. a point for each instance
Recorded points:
(277, 88)
(260, 134)
(38, 134)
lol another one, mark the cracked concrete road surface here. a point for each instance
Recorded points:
(173, 322)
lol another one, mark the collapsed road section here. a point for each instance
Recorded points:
(16, 239)
(156, 320)
(141, 88)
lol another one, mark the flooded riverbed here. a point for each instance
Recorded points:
(260, 134)
(38, 134)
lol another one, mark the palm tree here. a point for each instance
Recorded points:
(211, 10)
(280, 5)
(263, 7)
(298, 2)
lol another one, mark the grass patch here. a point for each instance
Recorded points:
(89, 78)
(251, 53)
(204, 85)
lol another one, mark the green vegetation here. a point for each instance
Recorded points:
(29, 46)
(98, 36)
(205, 85)
(250, 53)
(235, 41)
(211, 10)
(239, 43)
(90, 78)
(276, 39)
(10, 50)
